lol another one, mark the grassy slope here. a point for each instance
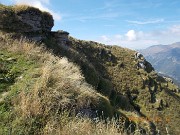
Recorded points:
(38, 88)
(135, 92)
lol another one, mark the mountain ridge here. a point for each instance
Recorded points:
(165, 59)
(84, 78)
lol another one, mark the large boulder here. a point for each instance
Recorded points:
(21, 18)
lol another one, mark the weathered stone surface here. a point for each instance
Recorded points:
(142, 63)
(24, 19)
(62, 38)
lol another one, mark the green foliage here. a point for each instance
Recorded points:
(105, 87)
(12, 66)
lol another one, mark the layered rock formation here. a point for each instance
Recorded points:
(24, 19)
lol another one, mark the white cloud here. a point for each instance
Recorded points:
(124, 42)
(118, 36)
(42, 5)
(146, 22)
(105, 38)
(175, 29)
(138, 39)
(131, 35)
(103, 16)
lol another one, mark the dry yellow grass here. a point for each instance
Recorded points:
(45, 91)
(53, 86)
(87, 127)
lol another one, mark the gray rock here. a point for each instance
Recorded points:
(62, 38)
(28, 19)
(87, 112)
(138, 55)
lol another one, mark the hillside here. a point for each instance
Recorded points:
(51, 83)
(165, 59)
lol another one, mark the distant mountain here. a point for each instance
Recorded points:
(165, 59)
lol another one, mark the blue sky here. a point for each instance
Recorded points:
(133, 24)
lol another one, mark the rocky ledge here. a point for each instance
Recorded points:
(24, 19)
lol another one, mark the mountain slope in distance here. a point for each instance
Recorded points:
(165, 59)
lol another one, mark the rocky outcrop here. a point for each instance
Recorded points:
(24, 19)
(62, 38)
(142, 63)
